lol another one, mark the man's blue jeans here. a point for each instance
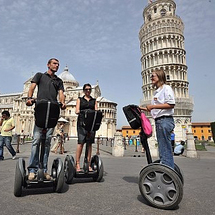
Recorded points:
(6, 140)
(34, 158)
(164, 127)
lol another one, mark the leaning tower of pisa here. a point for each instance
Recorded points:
(162, 46)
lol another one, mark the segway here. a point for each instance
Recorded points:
(46, 116)
(92, 122)
(160, 185)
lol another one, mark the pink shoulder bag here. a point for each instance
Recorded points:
(146, 125)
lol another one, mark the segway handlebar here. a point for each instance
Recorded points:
(31, 101)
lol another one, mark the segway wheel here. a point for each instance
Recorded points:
(160, 186)
(97, 165)
(177, 169)
(69, 169)
(19, 177)
(100, 173)
(58, 175)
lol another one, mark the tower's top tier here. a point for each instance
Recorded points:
(159, 9)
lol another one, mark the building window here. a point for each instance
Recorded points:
(202, 131)
(155, 10)
(163, 12)
(126, 132)
(209, 131)
(194, 131)
(133, 132)
(168, 77)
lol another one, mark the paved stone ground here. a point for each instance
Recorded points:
(118, 193)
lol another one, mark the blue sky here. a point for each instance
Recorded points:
(98, 40)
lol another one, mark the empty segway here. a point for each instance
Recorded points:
(92, 123)
(46, 116)
(160, 185)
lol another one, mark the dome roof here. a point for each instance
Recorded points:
(66, 76)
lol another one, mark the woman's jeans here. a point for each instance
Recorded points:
(164, 126)
(6, 140)
(34, 158)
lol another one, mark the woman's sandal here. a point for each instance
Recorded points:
(78, 169)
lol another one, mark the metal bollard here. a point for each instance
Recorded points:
(97, 152)
(136, 146)
(18, 140)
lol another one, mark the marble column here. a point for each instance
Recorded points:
(191, 149)
(118, 148)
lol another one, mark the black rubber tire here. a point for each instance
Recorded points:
(69, 169)
(101, 170)
(160, 186)
(96, 161)
(59, 183)
(18, 181)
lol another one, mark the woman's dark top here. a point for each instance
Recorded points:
(84, 104)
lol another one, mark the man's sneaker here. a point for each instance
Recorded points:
(14, 157)
(31, 176)
(47, 176)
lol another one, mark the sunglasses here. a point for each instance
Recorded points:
(153, 76)
(88, 89)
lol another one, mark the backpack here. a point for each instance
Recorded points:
(92, 119)
(132, 114)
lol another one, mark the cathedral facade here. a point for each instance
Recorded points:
(162, 47)
(24, 115)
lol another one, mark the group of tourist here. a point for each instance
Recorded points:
(50, 86)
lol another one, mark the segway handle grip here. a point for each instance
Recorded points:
(30, 101)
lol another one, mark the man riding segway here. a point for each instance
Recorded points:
(49, 86)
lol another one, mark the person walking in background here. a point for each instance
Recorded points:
(49, 87)
(162, 109)
(173, 140)
(83, 103)
(60, 139)
(8, 125)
